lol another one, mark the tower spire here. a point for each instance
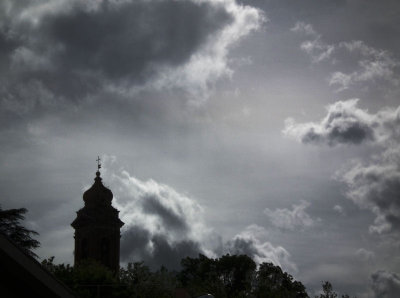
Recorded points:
(97, 226)
(98, 178)
(98, 163)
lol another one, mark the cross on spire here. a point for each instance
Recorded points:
(98, 163)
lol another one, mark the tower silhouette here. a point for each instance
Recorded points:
(97, 226)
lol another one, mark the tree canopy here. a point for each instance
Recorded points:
(229, 276)
(238, 276)
(11, 226)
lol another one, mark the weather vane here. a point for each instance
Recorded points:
(98, 163)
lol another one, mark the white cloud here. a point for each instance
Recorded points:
(316, 48)
(373, 185)
(291, 219)
(341, 79)
(345, 123)
(158, 208)
(211, 61)
(374, 64)
(376, 186)
(371, 64)
(301, 27)
(151, 46)
(162, 225)
(339, 209)
(248, 242)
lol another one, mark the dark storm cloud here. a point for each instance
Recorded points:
(118, 41)
(171, 219)
(7, 45)
(129, 38)
(376, 186)
(343, 124)
(75, 50)
(385, 284)
(137, 244)
(248, 242)
(162, 226)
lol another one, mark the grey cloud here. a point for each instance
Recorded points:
(127, 39)
(365, 255)
(134, 244)
(291, 219)
(376, 186)
(339, 209)
(316, 48)
(78, 50)
(171, 219)
(137, 244)
(385, 284)
(248, 242)
(302, 27)
(343, 124)
(163, 226)
(371, 64)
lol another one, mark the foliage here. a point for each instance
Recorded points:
(230, 276)
(328, 291)
(141, 282)
(237, 276)
(11, 226)
(271, 281)
(89, 279)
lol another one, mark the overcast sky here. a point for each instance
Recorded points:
(266, 127)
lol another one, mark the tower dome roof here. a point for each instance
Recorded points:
(98, 194)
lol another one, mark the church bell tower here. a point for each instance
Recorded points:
(97, 226)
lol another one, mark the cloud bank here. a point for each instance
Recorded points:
(162, 225)
(72, 50)
(249, 242)
(376, 186)
(372, 185)
(345, 123)
(385, 284)
(372, 64)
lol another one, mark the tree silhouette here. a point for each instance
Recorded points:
(271, 281)
(238, 276)
(328, 291)
(10, 225)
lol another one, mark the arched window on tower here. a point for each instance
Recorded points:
(105, 251)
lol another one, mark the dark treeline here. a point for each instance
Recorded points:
(227, 276)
